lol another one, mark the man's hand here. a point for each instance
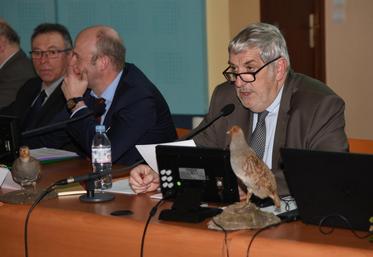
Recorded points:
(74, 85)
(143, 179)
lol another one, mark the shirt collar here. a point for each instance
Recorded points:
(7, 59)
(276, 103)
(50, 89)
(109, 92)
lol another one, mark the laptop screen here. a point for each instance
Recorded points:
(331, 188)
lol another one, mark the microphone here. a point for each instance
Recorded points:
(225, 111)
(94, 175)
(56, 125)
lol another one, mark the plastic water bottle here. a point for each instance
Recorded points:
(101, 157)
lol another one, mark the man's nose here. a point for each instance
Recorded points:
(239, 82)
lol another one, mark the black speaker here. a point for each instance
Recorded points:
(9, 139)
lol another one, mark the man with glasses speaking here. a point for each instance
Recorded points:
(40, 101)
(293, 109)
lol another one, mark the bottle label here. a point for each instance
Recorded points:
(101, 155)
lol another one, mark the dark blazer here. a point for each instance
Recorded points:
(311, 116)
(53, 110)
(13, 75)
(138, 115)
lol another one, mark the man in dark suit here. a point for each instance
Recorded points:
(135, 112)
(15, 67)
(300, 112)
(40, 101)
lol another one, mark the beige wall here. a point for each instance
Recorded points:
(349, 56)
(224, 19)
(349, 53)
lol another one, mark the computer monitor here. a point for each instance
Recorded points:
(331, 188)
(192, 175)
(8, 139)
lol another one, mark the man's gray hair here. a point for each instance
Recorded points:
(110, 44)
(266, 37)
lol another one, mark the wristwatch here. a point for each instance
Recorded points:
(71, 103)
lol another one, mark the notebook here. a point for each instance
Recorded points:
(331, 188)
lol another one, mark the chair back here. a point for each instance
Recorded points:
(360, 145)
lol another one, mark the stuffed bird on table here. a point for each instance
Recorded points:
(26, 169)
(251, 170)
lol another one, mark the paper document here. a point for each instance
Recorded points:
(121, 186)
(148, 151)
(6, 180)
(287, 204)
(44, 154)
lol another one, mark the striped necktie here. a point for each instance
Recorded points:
(258, 137)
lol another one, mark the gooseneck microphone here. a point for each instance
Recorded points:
(55, 126)
(225, 111)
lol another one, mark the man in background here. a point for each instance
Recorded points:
(40, 101)
(15, 67)
(132, 109)
(296, 111)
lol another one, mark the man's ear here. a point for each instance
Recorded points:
(104, 62)
(281, 68)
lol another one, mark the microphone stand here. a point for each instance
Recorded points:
(92, 196)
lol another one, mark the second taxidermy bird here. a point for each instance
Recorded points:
(251, 170)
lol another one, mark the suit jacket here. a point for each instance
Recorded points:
(138, 115)
(52, 111)
(13, 75)
(311, 116)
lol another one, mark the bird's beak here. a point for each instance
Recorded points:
(228, 132)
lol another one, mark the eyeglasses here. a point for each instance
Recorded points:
(37, 54)
(245, 76)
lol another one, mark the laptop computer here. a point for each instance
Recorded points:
(331, 188)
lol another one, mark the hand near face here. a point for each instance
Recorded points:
(74, 84)
(143, 179)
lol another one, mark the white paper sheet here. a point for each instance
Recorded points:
(121, 186)
(44, 153)
(148, 151)
(6, 180)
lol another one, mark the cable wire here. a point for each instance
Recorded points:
(36, 202)
(152, 212)
(345, 220)
(256, 234)
(225, 235)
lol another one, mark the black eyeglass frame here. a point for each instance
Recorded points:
(42, 53)
(226, 73)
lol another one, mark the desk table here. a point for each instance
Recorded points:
(66, 227)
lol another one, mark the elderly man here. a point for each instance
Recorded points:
(40, 101)
(15, 67)
(294, 110)
(133, 110)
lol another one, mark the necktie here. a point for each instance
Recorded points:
(97, 105)
(35, 109)
(258, 138)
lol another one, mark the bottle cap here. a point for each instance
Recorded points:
(100, 128)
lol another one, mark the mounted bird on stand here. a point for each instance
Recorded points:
(25, 171)
(258, 179)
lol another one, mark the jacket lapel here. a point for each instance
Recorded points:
(282, 119)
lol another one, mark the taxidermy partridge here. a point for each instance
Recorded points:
(26, 169)
(250, 169)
